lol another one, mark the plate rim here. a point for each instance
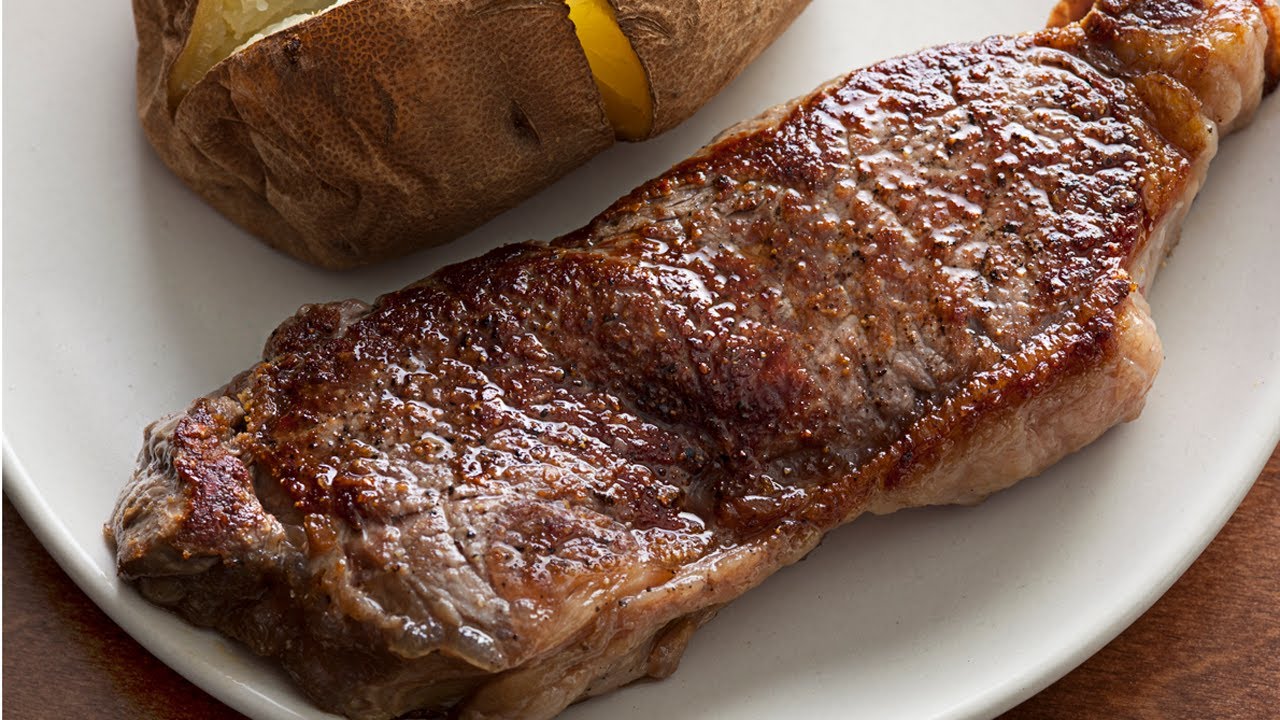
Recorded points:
(54, 536)
(1029, 680)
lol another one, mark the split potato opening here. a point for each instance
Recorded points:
(222, 28)
(623, 83)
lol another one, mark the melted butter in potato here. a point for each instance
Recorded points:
(622, 80)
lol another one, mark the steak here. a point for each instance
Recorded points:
(528, 478)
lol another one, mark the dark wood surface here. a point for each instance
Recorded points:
(1210, 648)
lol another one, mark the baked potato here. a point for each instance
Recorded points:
(348, 131)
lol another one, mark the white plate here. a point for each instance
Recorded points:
(125, 297)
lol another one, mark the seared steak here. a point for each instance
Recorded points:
(528, 478)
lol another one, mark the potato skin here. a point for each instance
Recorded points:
(672, 37)
(385, 126)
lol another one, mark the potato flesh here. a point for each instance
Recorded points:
(621, 78)
(221, 27)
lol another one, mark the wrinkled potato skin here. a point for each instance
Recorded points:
(385, 126)
(671, 37)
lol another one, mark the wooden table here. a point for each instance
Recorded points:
(1209, 649)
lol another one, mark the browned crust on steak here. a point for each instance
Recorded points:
(526, 478)
(1070, 11)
